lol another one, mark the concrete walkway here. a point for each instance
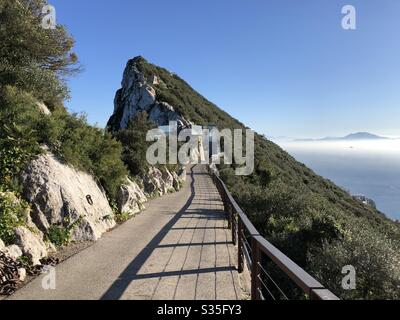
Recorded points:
(178, 248)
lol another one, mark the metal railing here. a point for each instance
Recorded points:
(254, 249)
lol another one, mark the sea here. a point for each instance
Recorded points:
(362, 167)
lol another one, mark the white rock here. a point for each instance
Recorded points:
(168, 179)
(22, 274)
(31, 245)
(2, 246)
(43, 108)
(58, 191)
(130, 198)
(13, 251)
(176, 182)
(154, 183)
(138, 95)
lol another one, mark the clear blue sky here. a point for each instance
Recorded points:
(283, 67)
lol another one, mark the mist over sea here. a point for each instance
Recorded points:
(366, 167)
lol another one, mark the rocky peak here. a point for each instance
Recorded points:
(139, 93)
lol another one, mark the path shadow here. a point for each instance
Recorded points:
(118, 288)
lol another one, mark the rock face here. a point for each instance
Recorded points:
(176, 183)
(132, 195)
(168, 180)
(157, 182)
(13, 251)
(138, 94)
(31, 245)
(153, 182)
(130, 198)
(61, 195)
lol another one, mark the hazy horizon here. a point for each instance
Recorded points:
(316, 138)
(367, 167)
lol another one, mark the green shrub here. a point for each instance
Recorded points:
(87, 148)
(18, 138)
(69, 136)
(59, 236)
(122, 217)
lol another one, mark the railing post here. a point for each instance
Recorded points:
(240, 243)
(229, 212)
(255, 269)
(233, 224)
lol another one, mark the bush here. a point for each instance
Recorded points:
(87, 148)
(25, 129)
(375, 258)
(59, 236)
(19, 142)
(122, 217)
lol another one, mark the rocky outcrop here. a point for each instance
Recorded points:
(176, 182)
(32, 245)
(130, 198)
(168, 180)
(138, 94)
(157, 182)
(13, 251)
(132, 195)
(62, 195)
(153, 182)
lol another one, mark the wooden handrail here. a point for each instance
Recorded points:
(240, 224)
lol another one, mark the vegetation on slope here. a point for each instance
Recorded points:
(33, 64)
(317, 224)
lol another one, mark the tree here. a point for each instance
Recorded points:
(33, 58)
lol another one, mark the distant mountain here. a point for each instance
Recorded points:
(363, 136)
(353, 136)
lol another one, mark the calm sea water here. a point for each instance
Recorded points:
(370, 168)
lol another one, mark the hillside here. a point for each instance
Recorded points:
(316, 223)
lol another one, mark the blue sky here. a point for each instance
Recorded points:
(283, 67)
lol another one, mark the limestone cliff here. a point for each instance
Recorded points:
(62, 195)
(138, 94)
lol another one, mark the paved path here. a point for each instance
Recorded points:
(178, 248)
